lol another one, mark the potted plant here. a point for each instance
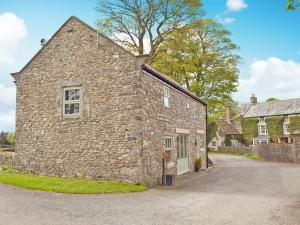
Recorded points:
(198, 164)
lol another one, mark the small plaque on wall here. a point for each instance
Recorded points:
(131, 137)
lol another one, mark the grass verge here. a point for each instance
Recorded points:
(65, 185)
(248, 156)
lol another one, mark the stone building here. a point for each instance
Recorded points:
(280, 108)
(87, 107)
(227, 132)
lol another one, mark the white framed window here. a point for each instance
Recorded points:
(286, 128)
(264, 141)
(168, 143)
(201, 140)
(167, 97)
(214, 143)
(260, 141)
(72, 101)
(262, 128)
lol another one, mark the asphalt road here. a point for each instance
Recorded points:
(237, 191)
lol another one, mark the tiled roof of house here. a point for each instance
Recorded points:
(281, 107)
(227, 128)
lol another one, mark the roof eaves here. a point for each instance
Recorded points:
(171, 82)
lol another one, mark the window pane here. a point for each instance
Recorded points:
(184, 153)
(77, 94)
(73, 94)
(166, 101)
(67, 95)
(178, 147)
(72, 108)
(182, 146)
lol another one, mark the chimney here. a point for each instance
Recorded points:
(43, 41)
(253, 99)
(228, 113)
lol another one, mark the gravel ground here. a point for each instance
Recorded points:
(237, 191)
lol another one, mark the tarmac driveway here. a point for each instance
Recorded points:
(237, 191)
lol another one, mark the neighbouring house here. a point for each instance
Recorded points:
(227, 132)
(86, 107)
(273, 120)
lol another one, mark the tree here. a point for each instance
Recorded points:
(202, 58)
(272, 99)
(3, 140)
(134, 22)
(293, 5)
(10, 137)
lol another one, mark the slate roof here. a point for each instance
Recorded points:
(227, 128)
(148, 69)
(281, 107)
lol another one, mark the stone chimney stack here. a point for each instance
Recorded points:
(253, 99)
(228, 113)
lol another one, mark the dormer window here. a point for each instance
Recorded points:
(167, 97)
(71, 104)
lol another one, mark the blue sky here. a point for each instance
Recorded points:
(267, 35)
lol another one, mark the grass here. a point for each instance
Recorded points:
(65, 185)
(248, 156)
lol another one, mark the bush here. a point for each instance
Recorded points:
(198, 164)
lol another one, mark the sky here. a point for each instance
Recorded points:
(267, 34)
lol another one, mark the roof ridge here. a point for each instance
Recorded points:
(283, 100)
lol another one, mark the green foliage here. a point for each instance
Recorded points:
(238, 137)
(133, 23)
(212, 128)
(7, 138)
(66, 185)
(202, 57)
(218, 111)
(294, 123)
(275, 127)
(198, 164)
(248, 156)
(292, 5)
(10, 137)
(271, 100)
(250, 130)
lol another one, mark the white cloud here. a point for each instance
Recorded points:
(12, 31)
(225, 20)
(273, 77)
(124, 37)
(7, 121)
(236, 5)
(7, 97)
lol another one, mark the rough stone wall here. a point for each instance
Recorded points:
(160, 122)
(6, 158)
(275, 152)
(235, 149)
(96, 144)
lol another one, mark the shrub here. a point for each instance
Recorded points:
(198, 164)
